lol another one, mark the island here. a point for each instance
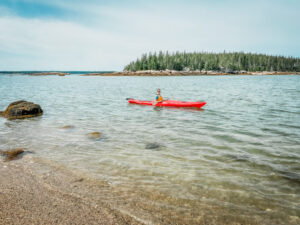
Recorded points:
(205, 63)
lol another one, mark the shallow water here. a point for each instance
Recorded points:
(235, 160)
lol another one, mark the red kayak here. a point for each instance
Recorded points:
(169, 103)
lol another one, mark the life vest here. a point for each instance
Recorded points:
(159, 98)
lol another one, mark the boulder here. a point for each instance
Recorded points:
(22, 109)
(12, 154)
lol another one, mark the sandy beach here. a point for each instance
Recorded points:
(27, 198)
(36, 191)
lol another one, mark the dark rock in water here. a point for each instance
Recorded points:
(153, 145)
(94, 135)
(22, 109)
(12, 154)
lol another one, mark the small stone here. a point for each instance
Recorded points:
(153, 145)
(67, 127)
(79, 180)
(94, 135)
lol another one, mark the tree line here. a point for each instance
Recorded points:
(226, 62)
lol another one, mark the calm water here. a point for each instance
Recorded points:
(238, 159)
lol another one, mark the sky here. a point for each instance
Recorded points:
(100, 35)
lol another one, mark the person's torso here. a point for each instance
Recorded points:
(159, 98)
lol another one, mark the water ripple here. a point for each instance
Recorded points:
(237, 157)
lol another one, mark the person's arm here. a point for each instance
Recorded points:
(155, 102)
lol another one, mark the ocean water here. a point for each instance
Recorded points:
(235, 161)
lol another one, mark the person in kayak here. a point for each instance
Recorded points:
(158, 97)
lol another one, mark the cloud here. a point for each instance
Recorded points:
(57, 45)
(107, 36)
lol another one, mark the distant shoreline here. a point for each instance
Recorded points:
(187, 73)
(152, 73)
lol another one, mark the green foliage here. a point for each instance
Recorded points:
(226, 62)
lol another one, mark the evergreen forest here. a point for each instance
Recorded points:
(225, 62)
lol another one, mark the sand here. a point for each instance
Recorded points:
(26, 199)
(36, 190)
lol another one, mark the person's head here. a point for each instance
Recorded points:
(158, 91)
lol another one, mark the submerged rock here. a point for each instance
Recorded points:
(94, 135)
(12, 154)
(153, 145)
(22, 109)
(68, 127)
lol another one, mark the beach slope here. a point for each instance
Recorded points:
(26, 199)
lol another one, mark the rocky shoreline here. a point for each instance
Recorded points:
(187, 73)
(48, 74)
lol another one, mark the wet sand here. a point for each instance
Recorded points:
(26, 199)
(37, 191)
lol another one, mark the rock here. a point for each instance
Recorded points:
(229, 70)
(48, 73)
(153, 145)
(79, 180)
(12, 154)
(22, 109)
(67, 127)
(94, 135)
